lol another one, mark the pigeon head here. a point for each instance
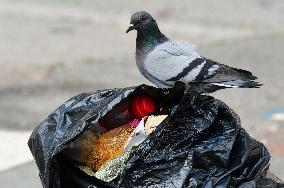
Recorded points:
(143, 22)
(148, 34)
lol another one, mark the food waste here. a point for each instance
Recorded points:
(107, 144)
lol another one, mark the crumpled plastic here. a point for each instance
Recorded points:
(143, 129)
(200, 144)
(137, 137)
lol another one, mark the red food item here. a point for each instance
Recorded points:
(142, 106)
(127, 111)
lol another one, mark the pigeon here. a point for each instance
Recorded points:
(165, 62)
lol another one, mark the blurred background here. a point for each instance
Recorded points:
(51, 50)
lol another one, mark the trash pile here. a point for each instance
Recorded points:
(148, 137)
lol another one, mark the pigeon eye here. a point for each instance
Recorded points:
(141, 20)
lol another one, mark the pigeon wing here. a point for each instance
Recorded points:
(178, 61)
(170, 59)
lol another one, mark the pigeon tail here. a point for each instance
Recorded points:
(247, 74)
(239, 84)
(212, 87)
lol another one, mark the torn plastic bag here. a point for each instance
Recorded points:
(199, 144)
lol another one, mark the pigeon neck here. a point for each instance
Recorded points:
(146, 41)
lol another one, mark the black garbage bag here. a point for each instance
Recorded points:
(200, 144)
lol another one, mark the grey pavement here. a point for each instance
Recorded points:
(52, 50)
(24, 176)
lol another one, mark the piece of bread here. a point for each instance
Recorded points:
(107, 147)
(152, 122)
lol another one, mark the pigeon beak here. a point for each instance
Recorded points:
(130, 28)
